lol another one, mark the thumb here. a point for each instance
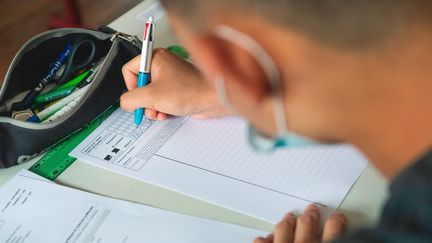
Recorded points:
(137, 98)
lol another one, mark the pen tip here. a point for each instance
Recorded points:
(151, 18)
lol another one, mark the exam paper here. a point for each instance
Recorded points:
(34, 210)
(210, 160)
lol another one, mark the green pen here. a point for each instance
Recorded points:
(61, 91)
(53, 95)
(75, 81)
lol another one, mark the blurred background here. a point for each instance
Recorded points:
(22, 19)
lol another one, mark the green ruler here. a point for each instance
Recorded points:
(57, 160)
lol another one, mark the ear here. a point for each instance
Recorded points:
(216, 56)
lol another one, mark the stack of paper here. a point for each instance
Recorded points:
(211, 161)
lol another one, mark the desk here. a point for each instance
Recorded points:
(362, 205)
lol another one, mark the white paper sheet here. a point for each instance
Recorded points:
(210, 160)
(34, 210)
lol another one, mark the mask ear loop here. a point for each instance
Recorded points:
(269, 68)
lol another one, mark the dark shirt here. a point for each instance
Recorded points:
(407, 215)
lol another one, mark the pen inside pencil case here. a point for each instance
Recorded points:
(37, 61)
(79, 81)
(53, 94)
(63, 106)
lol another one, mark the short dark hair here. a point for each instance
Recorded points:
(350, 23)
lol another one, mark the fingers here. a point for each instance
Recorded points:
(161, 116)
(130, 72)
(155, 115)
(284, 232)
(137, 98)
(334, 227)
(268, 239)
(307, 227)
(261, 240)
(151, 114)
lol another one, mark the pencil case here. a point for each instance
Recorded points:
(21, 141)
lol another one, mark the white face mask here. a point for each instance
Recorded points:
(256, 139)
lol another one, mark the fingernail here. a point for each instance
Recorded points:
(314, 211)
(289, 216)
(341, 217)
(313, 207)
(270, 237)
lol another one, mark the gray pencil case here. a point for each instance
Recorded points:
(21, 140)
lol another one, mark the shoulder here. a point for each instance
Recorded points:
(407, 214)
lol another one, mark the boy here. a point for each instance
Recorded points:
(333, 71)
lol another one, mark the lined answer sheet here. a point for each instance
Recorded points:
(210, 160)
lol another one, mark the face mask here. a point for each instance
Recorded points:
(256, 139)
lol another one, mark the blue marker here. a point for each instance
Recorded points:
(27, 102)
(145, 64)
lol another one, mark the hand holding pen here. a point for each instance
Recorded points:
(171, 74)
(162, 99)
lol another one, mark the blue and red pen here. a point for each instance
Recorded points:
(145, 64)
